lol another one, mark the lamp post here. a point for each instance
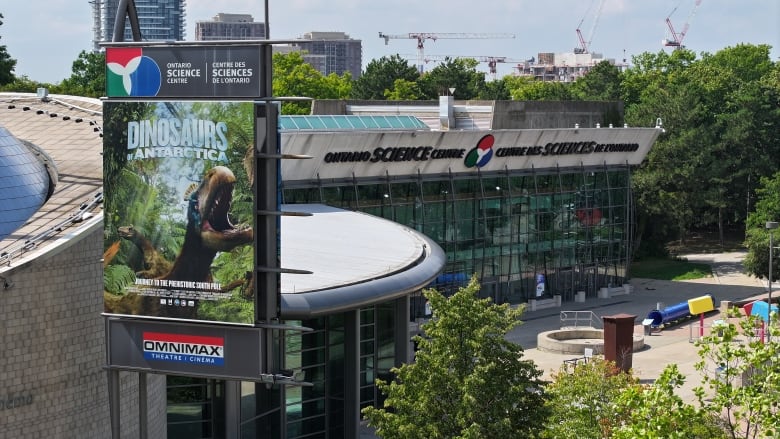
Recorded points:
(771, 226)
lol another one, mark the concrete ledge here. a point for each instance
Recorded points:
(537, 304)
(607, 292)
(575, 341)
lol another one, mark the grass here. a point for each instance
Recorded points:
(669, 269)
(674, 267)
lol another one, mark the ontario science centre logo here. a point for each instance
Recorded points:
(481, 154)
(130, 73)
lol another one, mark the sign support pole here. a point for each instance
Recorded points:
(113, 398)
(143, 418)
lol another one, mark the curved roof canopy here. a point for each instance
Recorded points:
(355, 260)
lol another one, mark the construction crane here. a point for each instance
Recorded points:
(422, 36)
(492, 61)
(585, 46)
(676, 40)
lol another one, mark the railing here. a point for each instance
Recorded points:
(84, 211)
(577, 319)
(697, 331)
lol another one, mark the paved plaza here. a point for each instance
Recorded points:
(670, 345)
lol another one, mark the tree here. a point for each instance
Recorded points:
(467, 380)
(533, 90)
(295, 77)
(88, 76)
(741, 378)
(381, 76)
(582, 401)
(655, 412)
(7, 64)
(403, 90)
(496, 90)
(24, 84)
(458, 73)
(601, 83)
(756, 261)
(720, 114)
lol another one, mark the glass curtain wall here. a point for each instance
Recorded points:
(195, 408)
(318, 411)
(569, 230)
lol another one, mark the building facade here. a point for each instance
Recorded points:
(159, 20)
(563, 67)
(53, 382)
(550, 213)
(534, 213)
(396, 204)
(334, 52)
(230, 27)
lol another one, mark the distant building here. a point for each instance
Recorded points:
(230, 27)
(562, 67)
(332, 52)
(159, 20)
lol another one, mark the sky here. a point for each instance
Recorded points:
(46, 36)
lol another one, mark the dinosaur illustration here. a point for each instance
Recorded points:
(154, 264)
(208, 227)
(110, 253)
(208, 231)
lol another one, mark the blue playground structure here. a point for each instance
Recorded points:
(657, 318)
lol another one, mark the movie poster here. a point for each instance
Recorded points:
(179, 210)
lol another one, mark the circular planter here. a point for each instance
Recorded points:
(575, 341)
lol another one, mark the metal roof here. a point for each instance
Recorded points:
(67, 130)
(355, 260)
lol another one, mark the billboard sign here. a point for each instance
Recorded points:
(179, 211)
(172, 72)
(180, 348)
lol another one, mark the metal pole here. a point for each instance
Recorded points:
(143, 418)
(267, 26)
(113, 401)
(771, 226)
(769, 296)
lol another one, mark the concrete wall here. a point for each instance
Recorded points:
(556, 114)
(52, 380)
(505, 114)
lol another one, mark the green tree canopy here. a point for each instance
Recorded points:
(403, 90)
(23, 84)
(7, 64)
(294, 77)
(529, 89)
(655, 411)
(496, 90)
(458, 73)
(741, 377)
(582, 400)
(467, 381)
(381, 77)
(720, 114)
(88, 76)
(601, 83)
(757, 236)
